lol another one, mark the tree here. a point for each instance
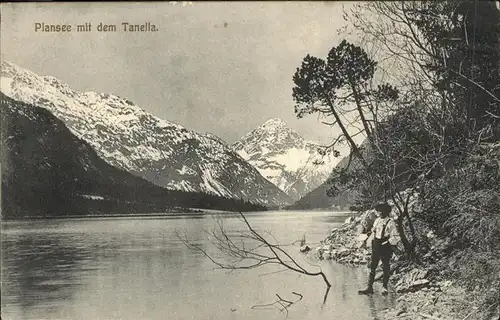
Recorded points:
(343, 87)
(443, 57)
(467, 68)
(447, 50)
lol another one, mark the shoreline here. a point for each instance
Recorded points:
(180, 213)
(195, 212)
(421, 292)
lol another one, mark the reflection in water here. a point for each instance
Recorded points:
(138, 269)
(40, 270)
(376, 301)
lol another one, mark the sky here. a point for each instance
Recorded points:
(218, 67)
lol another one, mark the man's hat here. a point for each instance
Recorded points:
(383, 207)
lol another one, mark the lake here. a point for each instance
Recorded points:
(138, 268)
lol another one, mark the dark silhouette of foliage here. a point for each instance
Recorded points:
(443, 137)
(464, 37)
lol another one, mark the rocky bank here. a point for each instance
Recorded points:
(422, 292)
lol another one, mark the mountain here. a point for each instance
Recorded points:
(134, 140)
(283, 157)
(318, 197)
(46, 170)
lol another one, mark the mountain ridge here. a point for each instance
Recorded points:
(126, 136)
(48, 171)
(318, 198)
(285, 158)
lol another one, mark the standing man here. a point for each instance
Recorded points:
(385, 234)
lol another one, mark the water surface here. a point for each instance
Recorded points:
(137, 268)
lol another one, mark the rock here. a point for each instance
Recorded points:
(422, 282)
(323, 247)
(416, 274)
(343, 252)
(342, 245)
(305, 249)
(327, 254)
(401, 311)
(430, 235)
(367, 219)
(349, 220)
(412, 280)
(419, 284)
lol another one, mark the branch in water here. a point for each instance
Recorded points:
(285, 304)
(249, 249)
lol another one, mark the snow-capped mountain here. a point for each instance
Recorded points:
(132, 139)
(47, 170)
(283, 157)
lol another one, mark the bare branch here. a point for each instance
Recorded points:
(283, 303)
(249, 249)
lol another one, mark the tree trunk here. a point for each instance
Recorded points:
(409, 250)
(414, 239)
(403, 214)
(346, 134)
